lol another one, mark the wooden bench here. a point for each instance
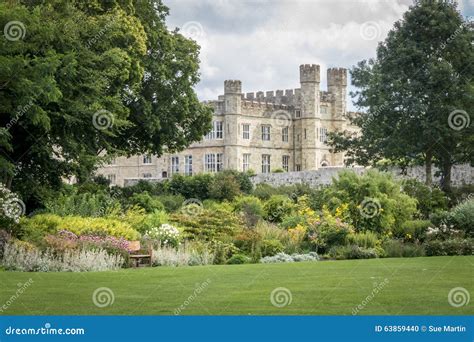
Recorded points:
(137, 259)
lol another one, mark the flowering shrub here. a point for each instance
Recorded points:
(11, 207)
(283, 257)
(20, 258)
(166, 234)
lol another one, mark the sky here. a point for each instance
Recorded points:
(263, 42)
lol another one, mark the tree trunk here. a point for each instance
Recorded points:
(428, 168)
(446, 181)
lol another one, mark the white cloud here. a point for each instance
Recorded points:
(262, 43)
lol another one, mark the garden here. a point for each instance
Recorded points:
(222, 219)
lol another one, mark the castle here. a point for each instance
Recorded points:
(262, 132)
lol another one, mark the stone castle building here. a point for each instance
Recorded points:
(262, 132)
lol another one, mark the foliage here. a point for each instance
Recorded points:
(20, 258)
(366, 239)
(374, 200)
(196, 186)
(36, 227)
(238, 259)
(82, 204)
(224, 186)
(453, 246)
(10, 208)
(429, 199)
(462, 216)
(352, 252)
(171, 202)
(278, 207)
(207, 225)
(397, 249)
(283, 257)
(165, 235)
(145, 201)
(251, 209)
(264, 191)
(184, 255)
(418, 78)
(5, 237)
(222, 251)
(271, 247)
(413, 230)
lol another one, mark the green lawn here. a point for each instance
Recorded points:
(415, 286)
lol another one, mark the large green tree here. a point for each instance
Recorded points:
(417, 94)
(80, 79)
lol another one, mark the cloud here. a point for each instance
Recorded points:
(262, 43)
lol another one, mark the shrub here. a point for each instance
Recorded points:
(375, 201)
(462, 216)
(21, 258)
(171, 203)
(207, 225)
(366, 239)
(5, 237)
(165, 234)
(278, 207)
(397, 249)
(454, 246)
(10, 209)
(182, 256)
(36, 227)
(264, 191)
(412, 230)
(238, 259)
(145, 201)
(283, 257)
(155, 219)
(271, 247)
(191, 186)
(225, 186)
(250, 207)
(327, 231)
(82, 204)
(352, 252)
(429, 199)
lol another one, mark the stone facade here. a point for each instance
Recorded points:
(262, 131)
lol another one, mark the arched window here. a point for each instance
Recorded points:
(324, 163)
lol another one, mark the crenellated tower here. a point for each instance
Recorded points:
(309, 80)
(337, 86)
(232, 109)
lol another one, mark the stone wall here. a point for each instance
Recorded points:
(461, 174)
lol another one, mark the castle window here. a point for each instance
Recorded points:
(323, 110)
(324, 163)
(305, 133)
(112, 178)
(164, 174)
(285, 162)
(188, 165)
(265, 163)
(323, 134)
(147, 159)
(246, 131)
(216, 131)
(298, 167)
(266, 132)
(284, 134)
(298, 113)
(175, 164)
(146, 175)
(214, 162)
(246, 162)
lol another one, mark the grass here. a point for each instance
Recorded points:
(415, 286)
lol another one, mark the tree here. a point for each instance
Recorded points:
(80, 79)
(417, 93)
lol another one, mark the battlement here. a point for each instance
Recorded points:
(289, 97)
(232, 87)
(337, 77)
(309, 73)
